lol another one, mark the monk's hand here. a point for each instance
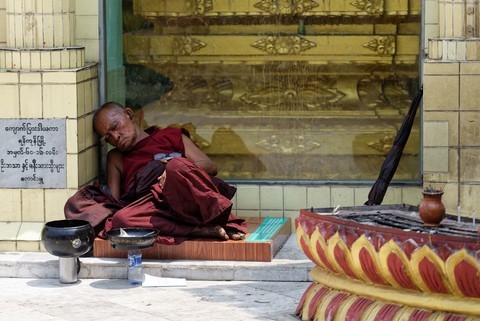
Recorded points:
(162, 178)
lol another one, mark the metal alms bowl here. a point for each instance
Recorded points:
(132, 237)
(68, 238)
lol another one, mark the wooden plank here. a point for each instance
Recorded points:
(209, 249)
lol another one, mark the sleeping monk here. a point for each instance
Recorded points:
(157, 178)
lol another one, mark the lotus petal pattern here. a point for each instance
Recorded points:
(409, 263)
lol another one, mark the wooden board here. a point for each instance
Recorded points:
(209, 249)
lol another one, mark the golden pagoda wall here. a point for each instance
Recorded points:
(282, 90)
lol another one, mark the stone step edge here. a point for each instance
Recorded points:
(45, 265)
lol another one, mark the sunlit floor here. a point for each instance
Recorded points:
(115, 299)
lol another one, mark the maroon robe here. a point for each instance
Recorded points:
(189, 198)
(166, 140)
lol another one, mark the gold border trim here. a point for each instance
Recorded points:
(429, 301)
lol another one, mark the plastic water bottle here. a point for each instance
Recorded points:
(135, 267)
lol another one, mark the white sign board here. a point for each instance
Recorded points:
(32, 153)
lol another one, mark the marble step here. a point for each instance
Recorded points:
(290, 264)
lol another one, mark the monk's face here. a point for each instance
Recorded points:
(117, 128)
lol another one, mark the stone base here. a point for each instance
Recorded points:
(208, 249)
(335, 297)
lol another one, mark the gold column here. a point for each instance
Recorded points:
(458, 23)
(44, 75)
(458, 19)
(451, 106)
(41, 36)
(40, 24)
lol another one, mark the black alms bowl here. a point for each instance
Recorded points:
(132, 238)
(68, 238)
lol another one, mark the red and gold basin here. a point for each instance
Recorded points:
(381, 263)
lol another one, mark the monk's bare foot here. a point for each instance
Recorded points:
(235, 235)
(211, 231)
(218, 231)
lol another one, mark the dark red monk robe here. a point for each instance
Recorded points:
(190, 196)
(188, 199)
(166, 140)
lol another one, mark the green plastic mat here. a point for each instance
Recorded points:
(267, 229)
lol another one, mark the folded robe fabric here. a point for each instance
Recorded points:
(94, 204)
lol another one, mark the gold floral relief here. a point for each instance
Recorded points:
(186, 45)
(286, 6)
(374, 7)
(200, 7)
(292, 144)
(283, 45)
(383, 46)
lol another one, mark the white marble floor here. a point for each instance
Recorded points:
(216, 290)
(115, 299)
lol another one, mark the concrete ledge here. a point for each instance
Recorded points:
(290, 264)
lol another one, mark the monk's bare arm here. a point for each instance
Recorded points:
(193, 153)
(114, 172)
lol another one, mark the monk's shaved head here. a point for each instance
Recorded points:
(107, 108)
(117, 126)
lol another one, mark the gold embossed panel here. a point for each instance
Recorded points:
(187, 8)
(279, 90)
(367, 49)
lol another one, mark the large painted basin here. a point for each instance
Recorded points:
(382, 263)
